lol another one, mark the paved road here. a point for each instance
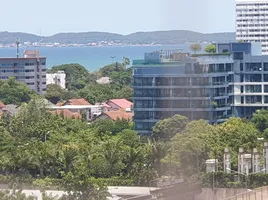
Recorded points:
(114, 191)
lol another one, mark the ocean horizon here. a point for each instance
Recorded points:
(94, 57)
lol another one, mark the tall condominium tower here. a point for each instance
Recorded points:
(252, 22)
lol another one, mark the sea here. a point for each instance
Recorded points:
(93, 57)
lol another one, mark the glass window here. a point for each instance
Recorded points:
(253, 89)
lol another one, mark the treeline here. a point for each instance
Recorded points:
(48, 150)
(82, 84)
(79, 84)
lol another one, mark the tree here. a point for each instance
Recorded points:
(210, 48)
(126, 62)
(260, 119)
(108, 69)
(121, 78)
(195, 48)
(14, 92)
(168, 128)
(194, 146)
(55, 93)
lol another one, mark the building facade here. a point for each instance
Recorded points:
(213, 87)
(29, 69)
(251, 22)
(58, 78)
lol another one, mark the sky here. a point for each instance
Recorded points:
(48, 17)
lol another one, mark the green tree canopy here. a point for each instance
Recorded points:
(210, 48)
(260, 119)
(108, 69)
(55, 93)
(14, 92)
(168, 128)
(194, 146)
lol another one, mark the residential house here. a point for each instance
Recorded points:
(80, 106)
(80, 102)
(118, 114)
(120, 104)
(67, 114)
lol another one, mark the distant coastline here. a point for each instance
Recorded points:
(173, 37)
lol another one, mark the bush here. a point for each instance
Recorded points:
(225, 180)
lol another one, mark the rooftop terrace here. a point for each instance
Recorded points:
(175, 59)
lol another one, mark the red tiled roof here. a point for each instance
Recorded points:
(59, 104)
(106, 105)
(77, 102)
(67, 113)
(119, 114)
(2, 105)
(122, 103)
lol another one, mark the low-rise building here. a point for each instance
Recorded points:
(67, 113)
(118, 114)
(120, 104)
(58, 78)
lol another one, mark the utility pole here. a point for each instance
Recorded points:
(17, 46)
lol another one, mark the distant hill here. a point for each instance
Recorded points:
(159, 37)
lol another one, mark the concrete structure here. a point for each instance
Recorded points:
(90, 111)
(120, 104)
(211, 165)
(30, 69)
(226, 161)
(251, 22)
(118, 114)
(57, 78)
(104, 80)
(214, 87)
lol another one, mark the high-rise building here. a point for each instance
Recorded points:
(251, 22)
(213, 87)
(29, 69)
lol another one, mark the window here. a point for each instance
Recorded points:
(29, 70)
(253, 89)
(266, 88)
(43, 63)
(30, 83)
(265, 66)
(253, 67)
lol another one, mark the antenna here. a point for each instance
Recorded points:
(17, 46)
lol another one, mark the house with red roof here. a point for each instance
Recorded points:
(67, 114)
(118, 114)
(120, 104)
(76, 102)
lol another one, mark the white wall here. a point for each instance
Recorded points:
(57, 78)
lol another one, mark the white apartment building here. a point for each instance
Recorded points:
(57, 78)
(252, 22)
(30, 69)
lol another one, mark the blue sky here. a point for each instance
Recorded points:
(117, 16)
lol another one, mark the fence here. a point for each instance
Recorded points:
(257, 194)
